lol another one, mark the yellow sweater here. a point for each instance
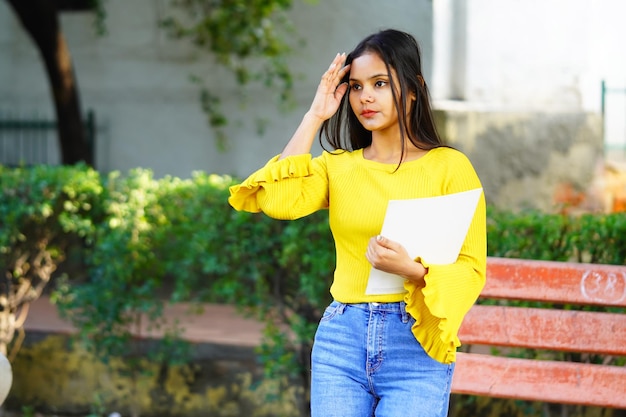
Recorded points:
(356, 192)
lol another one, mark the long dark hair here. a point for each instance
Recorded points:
(400, 51)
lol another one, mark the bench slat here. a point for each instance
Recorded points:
(565, 330)
(558, 382)
(559, 282)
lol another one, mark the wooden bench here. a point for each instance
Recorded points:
(553, 329)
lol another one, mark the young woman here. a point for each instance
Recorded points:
(383, 354)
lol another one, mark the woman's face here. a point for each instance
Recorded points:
(370, 93)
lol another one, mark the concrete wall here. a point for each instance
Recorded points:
(530, 65)
(517, 85)
(530, 159)
(535, 54)
(137, 81)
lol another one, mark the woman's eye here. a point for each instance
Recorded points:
(355, 87)
(381, 83)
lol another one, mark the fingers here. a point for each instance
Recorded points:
(341, 90)
(371, 253)
(337, 63)
(379, 250)
(336, 71)
(330, 93)
(390, 256)
(386, 243)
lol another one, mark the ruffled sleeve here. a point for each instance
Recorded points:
(286, 188)
(449, 292)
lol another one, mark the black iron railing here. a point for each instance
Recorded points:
(31, 141)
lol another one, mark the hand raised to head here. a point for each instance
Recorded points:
(330, 91)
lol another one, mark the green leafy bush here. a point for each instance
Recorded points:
(147, 242)
(43, 212)
(589, 238)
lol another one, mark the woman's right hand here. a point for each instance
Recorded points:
(324, 105)
(329, 92)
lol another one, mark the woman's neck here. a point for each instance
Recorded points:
(390, 151)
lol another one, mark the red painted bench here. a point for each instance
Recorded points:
(546, 329)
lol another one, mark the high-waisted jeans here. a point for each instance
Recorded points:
(366, 362)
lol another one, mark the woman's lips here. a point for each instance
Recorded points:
(368, 113)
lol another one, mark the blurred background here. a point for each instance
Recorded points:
(533, 91)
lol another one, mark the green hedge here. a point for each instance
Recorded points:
(145, 242)
(44, 213)
(590, 238)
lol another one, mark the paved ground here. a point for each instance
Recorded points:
(216, 324)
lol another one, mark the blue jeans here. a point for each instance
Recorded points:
(366, 362)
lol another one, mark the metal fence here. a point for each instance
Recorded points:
(614, 120)
(32, 141)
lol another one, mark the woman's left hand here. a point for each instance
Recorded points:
(391, 257)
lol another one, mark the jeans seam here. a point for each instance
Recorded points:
(337, 310)
(405, 315)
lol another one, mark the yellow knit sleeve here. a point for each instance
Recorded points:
(288, 188)
(449, 292)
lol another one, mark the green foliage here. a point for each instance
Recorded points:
(529, 235)
(42, 211)
(601, 239)
(100, 15)
(121, 297)
(251, 39)
(209, 248)
(590, 238)
(60, 198)
(148, 242)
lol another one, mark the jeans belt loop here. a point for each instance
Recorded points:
(405, 315)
